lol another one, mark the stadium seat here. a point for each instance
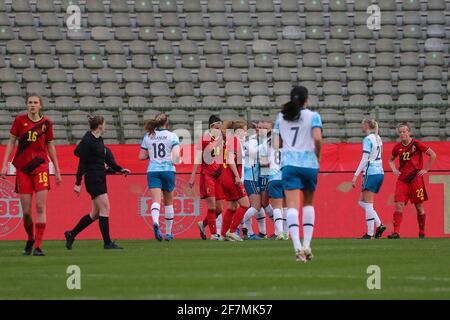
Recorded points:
(31, 75)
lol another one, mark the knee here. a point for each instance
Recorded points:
(40, 208)
(399, 207)
(420, 211)
(362, 204)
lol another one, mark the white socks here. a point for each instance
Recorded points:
(292, 219)
(308, 225)
(155, 212)
(248, 219)
(371, 217)
(261, 219)
(169, 214)
(269, 212)
(285, 225)
(219, 223)
(278, 219)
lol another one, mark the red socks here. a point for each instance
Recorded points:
(421, 221)
(226, 221)
(40, 228)
(397, 221)
(211, 217)
(240, 212)
(205, 221)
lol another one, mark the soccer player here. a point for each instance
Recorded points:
(410, 184)
(371, 165)
(264, 137)
(162, 148)
(251, 183)
(210, 155)
(232, 183)
(300, 133)
(35, 135)
(93, 156)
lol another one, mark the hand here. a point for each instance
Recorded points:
(396, 172)
(58, 178)
(125, 172)
(77, 190)
(422, 172)
(191, 181)
(237, 181)
(354, 181)
(4, 172)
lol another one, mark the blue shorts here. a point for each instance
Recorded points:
(276, 190)
(299, 178)
(263, 183)
(164, 180)
(251, 187)
(372, 182)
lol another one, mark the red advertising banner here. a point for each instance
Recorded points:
(337, 212)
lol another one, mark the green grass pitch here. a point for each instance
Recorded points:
(196, 269)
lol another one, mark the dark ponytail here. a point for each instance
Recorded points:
(292, 110)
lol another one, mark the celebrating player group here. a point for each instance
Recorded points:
(255, 170)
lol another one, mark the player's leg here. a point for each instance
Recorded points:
(308, 221)
(277, 205)
(219, 216)
(261, 214)
(285, 224)
(26, 202)
(102, 201)
(255, 206)
(155, 194)
(84, 222)
(366, 203)
(41, 220)
(401, 198)
(421, 218)
(228, 219)
(244, 204)
(168, 187)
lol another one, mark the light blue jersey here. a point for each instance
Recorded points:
(274, 164)
(159, 147)
(298, 145)
(251, 166)
(373, 146)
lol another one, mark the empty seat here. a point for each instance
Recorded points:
(132, 75)
(92, 61)
(411, 17)
(407, 86)
(409, 59)
(95, 6)
(101, 34)
(332, 88)
(61, 89)
(96, 19)
(207, 75)
(190, 61)
(45, 6)
(289, 5)
(264, 60)
(145, 19)
(107, 75)
(159, 89)
(20, 6)
(239, 61)
(169, 19)
(89, 102)
(56, 75)
(407, 73)
(436, 31)
(189, 46)
(407, 99)
(52, 33)
(19, 61)
(124, 34)
(44, 61)
(31, 75)
(315, 19)
(85, 89)
(432, 86)
(41, 47)
(184, 89)
(246, 33)
(289, 60)
(139, 47)
(130, 117)
(290, 19)
(260, 101)
(117, 61)
(432, 72)
(24, 19)
(113, 102)
(356, 73)
(6, 33)
(137, 103)
(194, 19)
(307, 74)
(172, 34)
(234, 89)
(15, 47)
(165, 61)
(198, 33)
(181, 75)
(336, 60)
(135, 89)
(315, 32)
(141, 61)
(412, 31)
(331, 74)
(65, 47)
(110, 89)
(335, 45)
(385, 59)
(143, 6)
(114, 47)
(430, 114)
(434, 58)
(281, 74)
(237, 46)
(215, 61)
(357, 88)
(339, 32)
(11, 89)
(30, 34)
(313, 5)
(8, 75)
(382, 87)
(218, 19)
(256, 74)
(434, 44)
(157, 75)
(232, 74)
(209, 89)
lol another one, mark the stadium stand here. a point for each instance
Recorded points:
(183, 57)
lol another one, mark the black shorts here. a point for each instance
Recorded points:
(95, 184)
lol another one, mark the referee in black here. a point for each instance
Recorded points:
(96, 161)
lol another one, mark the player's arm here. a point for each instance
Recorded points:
(392, 164)
(197, 160)
(143, 154)
(233, 166)
(111, 162)
(176, 154)
(317, 138)
(9, 148)
(362, 165)
(52, 154)
(428, 166)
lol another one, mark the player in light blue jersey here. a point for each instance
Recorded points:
(162, 148)
(251, 183)
(371, 165)
(300, 133)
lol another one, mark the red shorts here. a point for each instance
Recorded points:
(232, 191)
(413, 191)
(30, 183)
(210, 187)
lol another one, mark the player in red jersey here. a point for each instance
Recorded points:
(209, 156)
(35, 135)
(410, 185)
(232, 181)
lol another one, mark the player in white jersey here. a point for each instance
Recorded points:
(162, 148)
(276, 194)
(300, 130)
(251, 182)
(371, 165)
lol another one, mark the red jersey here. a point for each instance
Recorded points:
(33, 136)
(233, 145)
(212, 155)
(411, 158)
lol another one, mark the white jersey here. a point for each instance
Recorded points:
(274, 164)
(298, 145)
(373, 145)
(263, 152)
(159, 147)
(251, 165)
